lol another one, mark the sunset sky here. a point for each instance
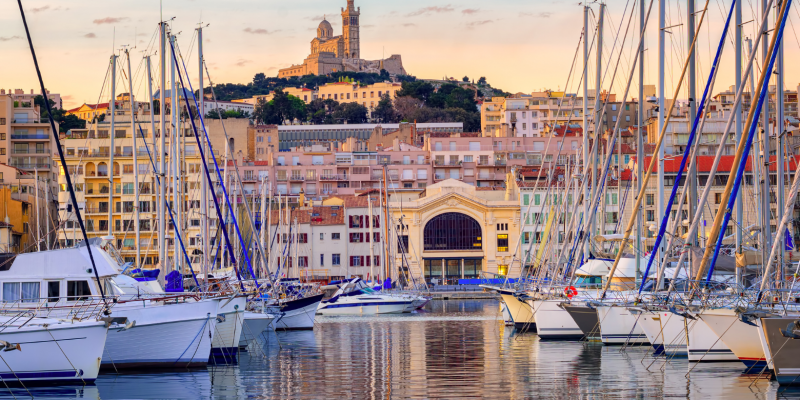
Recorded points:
(518, 46)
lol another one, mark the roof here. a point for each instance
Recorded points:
(704, 164)
(91, 106)
(317, 215)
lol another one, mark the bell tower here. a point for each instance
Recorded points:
(350, 27)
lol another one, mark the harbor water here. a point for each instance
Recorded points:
(454, 349)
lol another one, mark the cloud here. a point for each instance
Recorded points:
(320, 17)
(90, 35)
(408, 25)
(7, 38)
(368, 26)
(470, 11)
(431, 10)
(109, 20)
(40, 9)
(544, 14)
(260, 31)
(242, 63)
(473, 24)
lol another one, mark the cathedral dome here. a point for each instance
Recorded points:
(325, 30)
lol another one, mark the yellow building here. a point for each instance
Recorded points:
(352, 92)
(87, 112)
(87, 153)
(455, 231)
(15, 212)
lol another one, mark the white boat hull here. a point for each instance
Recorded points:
(254, 324)
(366, 305)
(705, 345)
(61, 353)
(166, 336)
(230, 318)
(298, 314)
(619, 326)
(741, 338)
(553, 322)
(519, 311)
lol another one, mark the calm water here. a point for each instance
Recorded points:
(457, 349)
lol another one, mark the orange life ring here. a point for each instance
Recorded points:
(571, 292)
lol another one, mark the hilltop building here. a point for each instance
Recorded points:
(339, 53)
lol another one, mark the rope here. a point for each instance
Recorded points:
(65, 354)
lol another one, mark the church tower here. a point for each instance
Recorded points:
(350, 27)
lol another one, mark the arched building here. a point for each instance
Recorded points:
(455, 231)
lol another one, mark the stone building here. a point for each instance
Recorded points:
(339, 53)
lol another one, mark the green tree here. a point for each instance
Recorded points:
(65, 122)
(482, 80)
(384, 112)
(213, 114)
(351, 113)
(418, 89)
(465, 79)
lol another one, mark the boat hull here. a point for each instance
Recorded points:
(59, 354)
(166, 336)
(619, 326)
(553, 322)
(586, 319)
(519, 311)
(740, 337)
(781, 352)
(254, 324)
(365, 305)
(705, 345)
(230, 318)
(298, 314)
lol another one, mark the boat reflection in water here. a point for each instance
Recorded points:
(456, 349)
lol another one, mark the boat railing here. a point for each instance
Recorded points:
(79, 308)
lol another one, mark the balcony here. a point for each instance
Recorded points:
(423, 177)
(486, 177)
(96, 210)
(297, 178)
(337, 177)
(439, 177)
(311, 178)
(282, 178)
(249, 178)
(456, 164)
(30, 151)
(484, 162)
(30, 136)
(499, 162)
(28, 165)
(407, 177)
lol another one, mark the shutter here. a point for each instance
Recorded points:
(368, 261)
(361, 237)
(361, 221)
(367, 237)
(377, 261)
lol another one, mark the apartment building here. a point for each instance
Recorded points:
(369, 136)
(343, 92)
(527, 116)
(22, 97)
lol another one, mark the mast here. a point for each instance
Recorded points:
(738, 121)
(296, 248)
(36, 206)
(692, 82)
(766, 230)
(262, 236)
(47, 211)
(204, 182)
(779, 129)
(225, 209)
(595, 225)
(585, 112)
(176, 201)
(386, 221)
(639, 144)
(113, 106)
(135, 165)
(661, 112)
(756, 157)
(371, 222)
(154, 190)
(162, 183)
(266, 239)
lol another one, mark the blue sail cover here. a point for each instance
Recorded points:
(387, 284)
(174, 282)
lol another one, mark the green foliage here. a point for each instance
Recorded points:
(384, 112)
(482, 80)
(418, 89)
(215, 114)
(65, 122)
(352, 113)
(281, 109)
(263, 84)
(417, 101)
(465, 79)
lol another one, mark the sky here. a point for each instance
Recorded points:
(519, 46)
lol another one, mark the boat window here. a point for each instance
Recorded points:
(25, 291)
(78, 290)
(53, 291)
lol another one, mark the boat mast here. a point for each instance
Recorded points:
(598, 104)
(691, 176)
(661, 113)
(262, 236)
(370, 221)
(738, 120)
(36, 205)
(113, 107)
(47, 211)
(766, 230)
(585, 113)
(152, 132)
(386, 220)
(162, 248)
(135, 165)
(779, 129)
(203, 182)
(224, 209)
(174, 158)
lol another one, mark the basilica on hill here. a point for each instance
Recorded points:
(331, 53)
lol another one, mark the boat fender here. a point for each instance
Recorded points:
(5, 346)
(571, 292)
(220, 318)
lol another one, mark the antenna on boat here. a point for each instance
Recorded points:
(61, 153)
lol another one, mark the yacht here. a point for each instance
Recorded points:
(355, 297)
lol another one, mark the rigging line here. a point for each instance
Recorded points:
(61, 151)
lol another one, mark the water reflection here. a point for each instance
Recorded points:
(456, 349)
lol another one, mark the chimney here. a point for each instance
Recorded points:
(396, 144)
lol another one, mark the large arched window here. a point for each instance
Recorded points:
(452, 231)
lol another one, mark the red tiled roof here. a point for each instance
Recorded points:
(325, 216)
(704, 164)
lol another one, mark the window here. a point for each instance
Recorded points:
(335, 236)
(650, 199)
(502, 242)
(651, 215)
(355, 261)
(25, 291)
(502, 227)
(717, 198)
(53, 291)
(356, 221)
(452, 231)
(321, 236)
(526, 199)
(302, 262)
(336, 259)
(356, 237)
(303, 238)
(322, 260)
(78, 290)
(402, 244)
(526, 237)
